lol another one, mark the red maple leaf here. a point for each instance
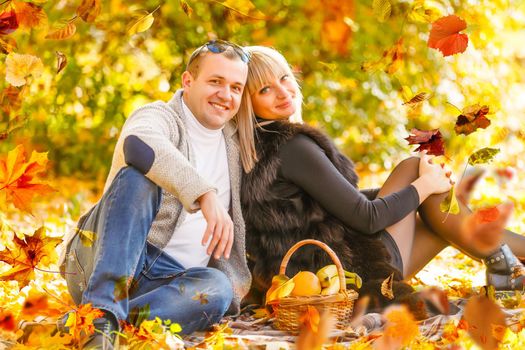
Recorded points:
(428, 140)
(445, 36)
(8, 22)
(486, 215)
(472, 118)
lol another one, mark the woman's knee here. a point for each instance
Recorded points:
(409, 166)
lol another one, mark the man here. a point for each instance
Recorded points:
(175, 175)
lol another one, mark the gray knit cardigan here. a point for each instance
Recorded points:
(162, 126)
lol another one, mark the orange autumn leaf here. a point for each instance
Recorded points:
(81, 320)
(486, 215)
(34, 304)
(29, 15)
(310, 318)
(27, 254)
(390, 62)
(89, 10)
(63, 33)
(472, 118)
(7, 320)
(18, 183)
(400, 325)
(8, 22)
(387, 287)
(445, 35)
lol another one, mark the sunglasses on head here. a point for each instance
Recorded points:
(219, 46)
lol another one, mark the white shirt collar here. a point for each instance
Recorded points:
(195, 125)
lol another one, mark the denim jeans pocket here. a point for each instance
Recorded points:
(75, 275)
(159, 265)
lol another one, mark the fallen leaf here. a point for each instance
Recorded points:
(483, 156)
(35, 304)
(19, 67)
(7, 320)
(445, 35)
(450, 204)
(81, 320)
(382, 9)
(89, 10)
(63, 33)
(472, 118)
(482, 315)
(61, 61)
(386, 287)
(428, 140)
(17, 178)
(8, 22)
(27, 254)
(29, 15)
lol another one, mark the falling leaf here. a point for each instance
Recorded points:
(310, 339)
(86, 237)
(27, 254)
(400, 327)
(19, 67)
(63, 33)
(450, 204)
(29, 15)
(89, 10)
(7, 44)
(386, 287)
(417, 99)
(382, 9)
(7, 320)
(61, 61)
(243, 7)
(138, 315)
(472, 118)
(310, 318)
(390, 62)
(482, 314)
(201, 297)
(186, 8)
(483, 156)
(17, 178)
(13, 124)
(423, 12)
(486, 215)
(142, 24)
(429, 140)
(121, 290)
(445, 37)
(8, 22)
(81, 320)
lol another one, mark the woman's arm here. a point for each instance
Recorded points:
(306, 165)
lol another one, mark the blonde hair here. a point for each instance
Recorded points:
(265, 65)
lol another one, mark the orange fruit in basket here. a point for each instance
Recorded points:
(306, 284)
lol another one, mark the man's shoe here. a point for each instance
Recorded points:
(105, 336)
(504, 270)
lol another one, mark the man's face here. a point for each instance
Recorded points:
(215, 94)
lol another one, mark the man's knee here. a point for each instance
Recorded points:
(135, 182)
(220, 287)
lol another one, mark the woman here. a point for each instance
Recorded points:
(302, 187)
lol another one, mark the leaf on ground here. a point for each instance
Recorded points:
(387, 287)
(20, 66)
(483, 156)
(89, 10)
(18, 183)
(7, 320)
(450, 204)
(27, 254)
(63, 33)
(81, 320)
(35, 304)
(472, 118)
(428, 140)
(445, 35)
(482, 314)
(29, 15)
(61, 61)
(382, 9)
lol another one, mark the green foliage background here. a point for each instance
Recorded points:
(76, 114)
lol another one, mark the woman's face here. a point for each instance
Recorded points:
(276, 99)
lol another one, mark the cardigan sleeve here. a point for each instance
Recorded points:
(148, 143)
(305, 164)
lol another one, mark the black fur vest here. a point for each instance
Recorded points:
(278, 214)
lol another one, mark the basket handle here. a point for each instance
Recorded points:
(326, 248)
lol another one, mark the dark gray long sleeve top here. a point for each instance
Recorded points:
(306, 165)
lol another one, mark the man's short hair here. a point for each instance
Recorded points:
(219, 47)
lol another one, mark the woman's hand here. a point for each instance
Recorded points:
(433, 178)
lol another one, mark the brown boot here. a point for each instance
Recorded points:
(504, 270)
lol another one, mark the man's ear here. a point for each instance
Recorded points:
(187, 79)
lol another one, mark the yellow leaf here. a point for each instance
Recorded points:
(89, 10)
(386, 287)
(450, 205)
(186, 8)
(400, 325)
(61, 61)
(142, 24)
(63, 33)
(382, 9)
(19, 67)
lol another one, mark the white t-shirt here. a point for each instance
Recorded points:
(209, 148)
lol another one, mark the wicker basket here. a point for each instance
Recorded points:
(288, 310)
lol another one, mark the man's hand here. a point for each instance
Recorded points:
(219, 226)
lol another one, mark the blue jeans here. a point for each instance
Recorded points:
(122, 273)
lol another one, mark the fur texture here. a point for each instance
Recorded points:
(278, 214)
